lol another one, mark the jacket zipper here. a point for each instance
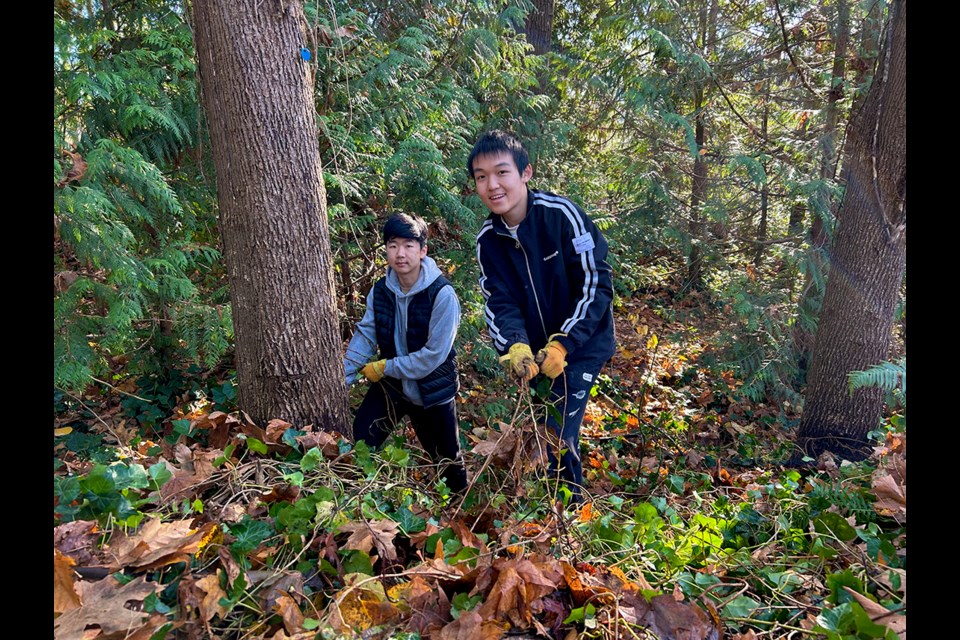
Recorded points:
(533, 288)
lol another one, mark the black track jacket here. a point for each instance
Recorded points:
(553, 279)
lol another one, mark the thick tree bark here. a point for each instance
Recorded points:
(811, 299)
(867, 263)
(273, 221)
(539, 26)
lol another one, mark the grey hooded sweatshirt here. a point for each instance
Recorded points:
(408, 367)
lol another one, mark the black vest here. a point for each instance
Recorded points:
(442, 383)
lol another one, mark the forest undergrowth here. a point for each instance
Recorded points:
(176, 516)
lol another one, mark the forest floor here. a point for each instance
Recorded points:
(178, 517)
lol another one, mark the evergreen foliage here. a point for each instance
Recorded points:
(133, 215)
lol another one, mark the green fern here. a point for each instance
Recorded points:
(891, 377)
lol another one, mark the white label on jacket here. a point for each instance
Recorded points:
(587, 377)
(583, 243)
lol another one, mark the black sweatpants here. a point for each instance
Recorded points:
(436, 427)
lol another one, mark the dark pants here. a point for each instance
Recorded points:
(436, 427)
(569, 395)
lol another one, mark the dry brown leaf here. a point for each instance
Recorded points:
(520, 582)
(78, 539)
(471, 626)
(602, 584)
(429, 606)
(890, 487)
(361, 607)
(673, 620)
(364, 535)
(65, 596)
(880, 614)
(290, 613)
(325, 441)
(277, 585)
(275, 430)
(229, 564)
(105, 606)
(156, 544)
(501, 446)
(210, 603)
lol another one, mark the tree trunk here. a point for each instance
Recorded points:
(257, 92)
(765, 189)
(539, 26)
(698, 190)
(811, 298)
(867, 263)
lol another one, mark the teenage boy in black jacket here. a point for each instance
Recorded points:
(547, 286)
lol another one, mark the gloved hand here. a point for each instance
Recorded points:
(373, 371)
(519, 362)
(552, 359)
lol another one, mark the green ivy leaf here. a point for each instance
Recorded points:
(740, 607)
(310, 460)
(256, 446)
(833, 524)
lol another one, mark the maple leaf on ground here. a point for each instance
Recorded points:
(78, 539)
(364, 535)
(500, 447)
(105, 606)
(889, 484)
(428, 605)
(212, 593)
(361, 604)
(220, 425)
(471, 626)
(290, 614)
(65, 596)
(673, 620)
(275, 430)
(275, 584)
(156, 544)
(518, 583)
(325, 441)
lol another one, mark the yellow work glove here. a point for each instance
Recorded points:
(373, 371)
(519, 362)
(552, 359)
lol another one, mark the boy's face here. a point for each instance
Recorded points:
(501, 187)
(404, 256)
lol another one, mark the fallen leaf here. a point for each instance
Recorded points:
(78, 539)
(105, 606)
(673, 620)
(275, 430)
(361, 606)
(65, 597)
(323, 440)
(156, 544)
(364, 535)
(519, 583)
(277, 585)
(471, 626)
(210, 603)
(880, 614)
(290, 613)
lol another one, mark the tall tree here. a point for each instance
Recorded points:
(257, 92)
(539, 26)
(867, 262)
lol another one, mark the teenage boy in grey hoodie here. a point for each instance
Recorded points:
(411, 320)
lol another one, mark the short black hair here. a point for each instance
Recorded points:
(499, 141)
(404, 225)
